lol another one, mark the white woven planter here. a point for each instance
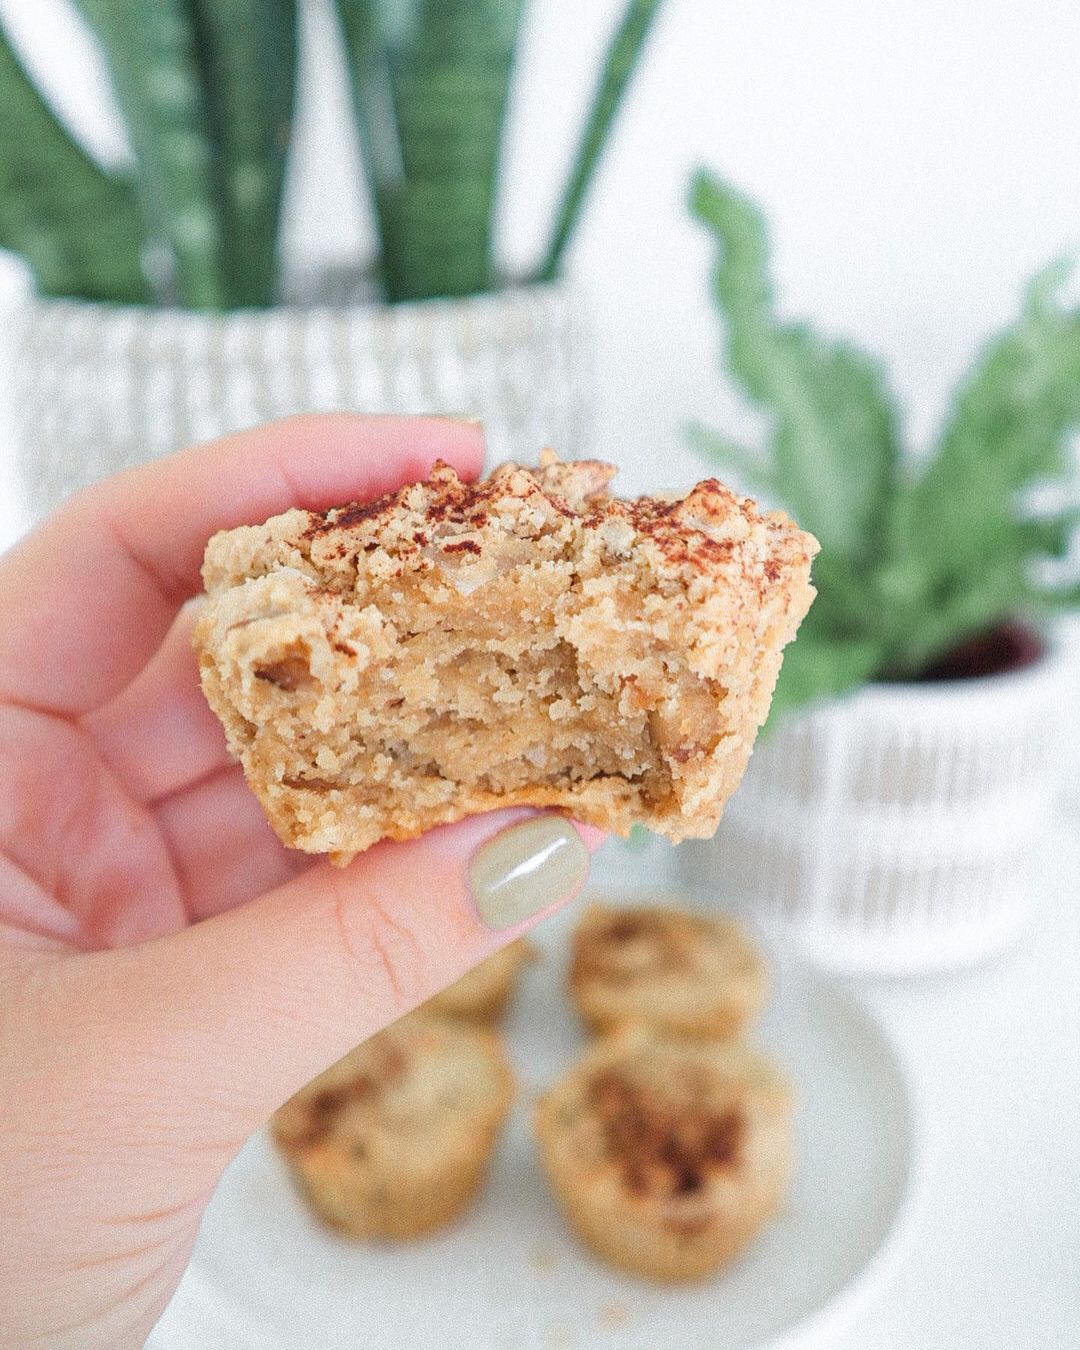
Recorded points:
(900, 830)
(99, 387)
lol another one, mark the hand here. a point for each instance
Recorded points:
(169, 973)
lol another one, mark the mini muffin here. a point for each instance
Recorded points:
(667, 1156)
(393, 1141)
(482, 994)
(666, 969)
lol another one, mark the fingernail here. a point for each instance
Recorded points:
(526, 868)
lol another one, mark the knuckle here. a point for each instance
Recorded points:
(384, 958)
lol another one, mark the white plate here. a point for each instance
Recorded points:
(510, 1276)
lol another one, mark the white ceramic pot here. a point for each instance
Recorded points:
(901, 830)
(99, 387)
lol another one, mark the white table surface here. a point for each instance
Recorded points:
(994, 1260)
(995, 1052)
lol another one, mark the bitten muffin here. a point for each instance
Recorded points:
(667, 1156)
(676, 972)
(483, 994)
(453, 648)
(393, 1141)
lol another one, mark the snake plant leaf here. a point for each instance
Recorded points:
(1050, 536)
(914, 561)
(623, 55)
(246, 55)
(949, 616)
(1008, 429)
(1056, 599)
(432, 79)
(150, 52)
(365, 58)
(834, 438)
(77, 226)
(818, 665)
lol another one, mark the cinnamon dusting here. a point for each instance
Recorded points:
(664, 1147)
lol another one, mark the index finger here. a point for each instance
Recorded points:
(87, 596)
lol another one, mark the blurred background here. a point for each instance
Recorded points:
(916, 161)
(900, 173)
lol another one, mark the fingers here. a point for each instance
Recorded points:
(87, 597)
(248, 1006)
(158, 734)
(222, 849)
(75, 833)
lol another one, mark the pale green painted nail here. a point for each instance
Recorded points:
(526, 868)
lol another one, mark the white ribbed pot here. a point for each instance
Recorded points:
(901, 830)
(97, 387)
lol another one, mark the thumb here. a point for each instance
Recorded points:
(246, 1007)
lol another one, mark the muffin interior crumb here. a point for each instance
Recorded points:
(453, 647)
